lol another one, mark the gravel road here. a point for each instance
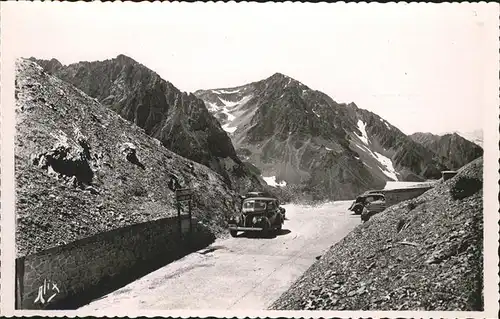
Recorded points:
(243, 273)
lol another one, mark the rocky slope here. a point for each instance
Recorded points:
(82, 169)
(180, 121)
(453, 148)
(475, 136)
(300, 136)
(421, 254)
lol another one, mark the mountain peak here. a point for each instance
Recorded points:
(353, 105)
(283, 79)
(52, 64)
(122, 58)
(279, 75)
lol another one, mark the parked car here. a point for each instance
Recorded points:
(363, 199)
(373, 207)
(257, 213)
(265, 194)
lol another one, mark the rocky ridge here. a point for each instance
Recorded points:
(82, 169)
(455, 150)
(180, 121)
(422, 254)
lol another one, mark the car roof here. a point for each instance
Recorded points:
(372, 194)
(260, 198)
(257, 194)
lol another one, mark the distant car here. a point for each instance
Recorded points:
(363, 199)
(373, 207)
(262, 214)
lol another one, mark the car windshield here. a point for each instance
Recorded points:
(254, 204)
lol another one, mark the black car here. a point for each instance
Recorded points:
(373, 207)
(364, 199)
(261, 214)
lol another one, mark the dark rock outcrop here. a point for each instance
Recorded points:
(455, 150)
(180, 121)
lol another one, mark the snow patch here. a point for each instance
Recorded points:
(328, 149)
(230, 103)
(271, 181)
(316, 113)
(243, 100)
(362, 128)
(228, 128)
(222, 91)
(385, 162)
(212, 107)
(230, 117)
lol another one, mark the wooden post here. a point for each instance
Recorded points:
(179, 218)
(190, 217)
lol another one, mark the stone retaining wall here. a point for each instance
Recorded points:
(69, 276)
(394, 196)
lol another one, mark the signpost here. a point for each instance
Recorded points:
(184, 195)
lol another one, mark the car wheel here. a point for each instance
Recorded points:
(357, 210)
(233, 233)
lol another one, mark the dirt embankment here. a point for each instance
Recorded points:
(422, 254)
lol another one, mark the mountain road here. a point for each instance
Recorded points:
(243, 273)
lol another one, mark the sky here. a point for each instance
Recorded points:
(422, 67)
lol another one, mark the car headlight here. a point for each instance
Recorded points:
(254, 220)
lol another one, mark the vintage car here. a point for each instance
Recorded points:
(373, 207)
(363, 199)
(258, 213)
